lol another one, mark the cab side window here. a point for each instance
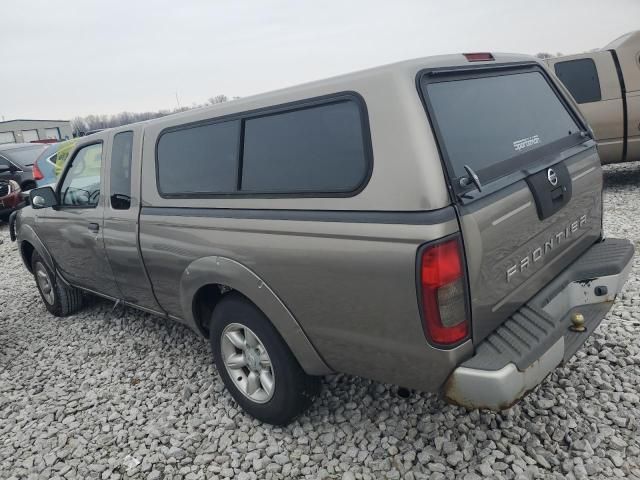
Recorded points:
(121, 152)
(581, 79)
(81, 184)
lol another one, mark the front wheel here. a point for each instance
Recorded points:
(60, 299)
(256, 365)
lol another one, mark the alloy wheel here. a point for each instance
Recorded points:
(45, 283)
(247, 362)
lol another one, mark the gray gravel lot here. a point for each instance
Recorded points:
(103, 396)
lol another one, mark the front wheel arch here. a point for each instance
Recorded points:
(59, 298)
(28, 238)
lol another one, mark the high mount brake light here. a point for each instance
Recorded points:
(443, 297)
(479, 57)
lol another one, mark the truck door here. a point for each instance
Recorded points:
(633, 125)
(122, 205)
(626, 50)
(72, 231)
(593, 81)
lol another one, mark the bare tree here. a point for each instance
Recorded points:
(78, 125)
(81, 125)
(217, 99)
(544, 55)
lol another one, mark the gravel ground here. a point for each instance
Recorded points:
(107, 396)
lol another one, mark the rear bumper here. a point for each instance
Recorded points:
(537, 338)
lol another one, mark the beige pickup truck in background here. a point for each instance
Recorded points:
(606, 85)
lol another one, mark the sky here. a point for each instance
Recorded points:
(66, 58)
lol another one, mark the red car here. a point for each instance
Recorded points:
(10, 198)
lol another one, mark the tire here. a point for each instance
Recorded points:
(60, 299)
(28, 185)
(292, 390)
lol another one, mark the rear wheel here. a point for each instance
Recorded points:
(256, 364)
(60, 299)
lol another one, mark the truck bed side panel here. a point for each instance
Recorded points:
(351, 286)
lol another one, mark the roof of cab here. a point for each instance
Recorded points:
(627, 48)
(631, 38)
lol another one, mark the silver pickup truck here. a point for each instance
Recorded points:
(435, 223)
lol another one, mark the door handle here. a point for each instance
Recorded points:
(94, 227)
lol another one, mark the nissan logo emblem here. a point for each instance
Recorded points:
(552, 177)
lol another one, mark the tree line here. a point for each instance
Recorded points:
(543, 55)
(82, 125)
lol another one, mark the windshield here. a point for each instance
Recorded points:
(26, 156)
(485, 121)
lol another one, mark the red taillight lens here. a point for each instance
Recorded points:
(442, 282)
(479, 57)
(37, 174)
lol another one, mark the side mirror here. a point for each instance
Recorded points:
(43, 197)
(5, 168)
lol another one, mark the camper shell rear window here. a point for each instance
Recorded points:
(496, 121)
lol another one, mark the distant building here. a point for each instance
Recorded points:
(24, 131)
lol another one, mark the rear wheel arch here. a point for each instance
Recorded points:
(204, 302)
(207, 298)
(207, 280)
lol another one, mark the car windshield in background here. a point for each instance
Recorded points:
(485, 121)
(26, 156)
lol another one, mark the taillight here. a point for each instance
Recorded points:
(37, 174)
(479, 57)
(443, 295)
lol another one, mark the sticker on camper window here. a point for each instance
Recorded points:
(526, 142)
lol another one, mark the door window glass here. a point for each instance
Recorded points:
(121, 171)
(81, 184)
